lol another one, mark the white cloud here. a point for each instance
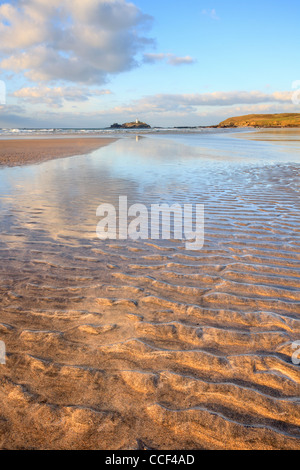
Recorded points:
(186, 103)
(211, 13)
(160, 110)
(71, 40)
(170, 58)
(56, 96)
(195, 109)
(173, 60)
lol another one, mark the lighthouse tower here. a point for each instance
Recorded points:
(136, 121)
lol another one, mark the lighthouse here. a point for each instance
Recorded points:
(136, 121)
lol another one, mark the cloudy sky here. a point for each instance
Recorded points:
(75, 63)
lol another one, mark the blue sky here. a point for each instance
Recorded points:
(88, 64)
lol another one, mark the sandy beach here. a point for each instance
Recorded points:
(145, 345)
(15, 152)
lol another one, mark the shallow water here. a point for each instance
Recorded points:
(60, 197)
(156, 346)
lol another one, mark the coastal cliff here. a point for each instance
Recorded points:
(263, 120)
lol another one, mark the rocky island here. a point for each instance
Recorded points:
(131, 125)
(263, 120)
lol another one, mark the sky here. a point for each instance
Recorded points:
(74, 63)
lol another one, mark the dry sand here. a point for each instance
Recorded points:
(25, 151)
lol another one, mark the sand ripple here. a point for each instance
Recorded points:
(123, 345)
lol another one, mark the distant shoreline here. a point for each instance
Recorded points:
(283, 120)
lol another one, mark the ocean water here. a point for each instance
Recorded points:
(51, 132)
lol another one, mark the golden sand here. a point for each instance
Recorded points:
(120, 347)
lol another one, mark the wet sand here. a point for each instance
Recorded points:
(144, 345)
(15, 152)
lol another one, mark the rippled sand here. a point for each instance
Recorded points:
(144, 345)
